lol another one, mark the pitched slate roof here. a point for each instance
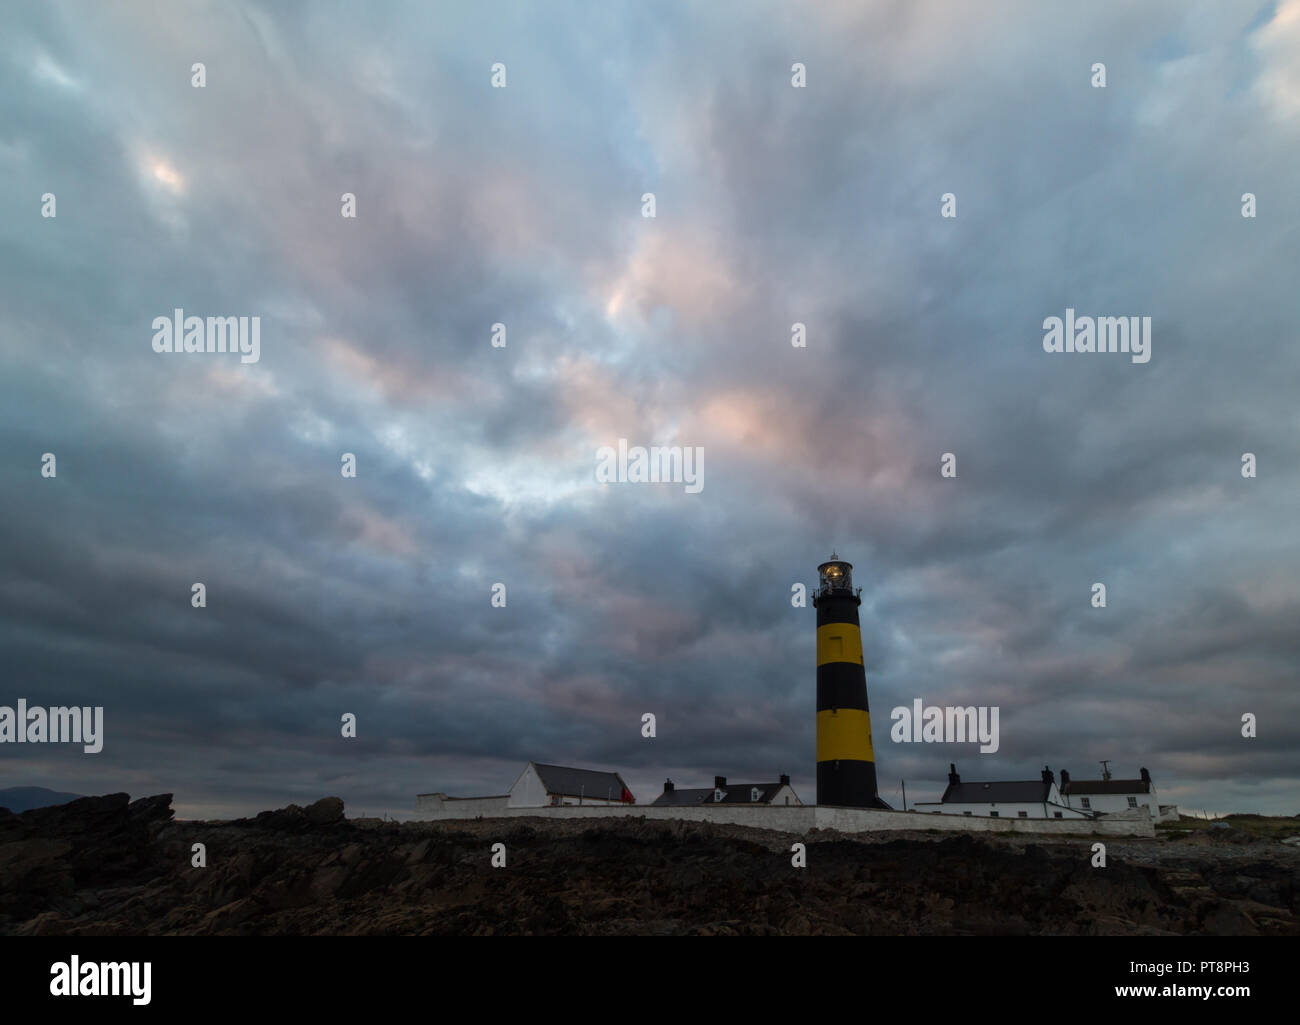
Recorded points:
(733, 793)
(1084, 787)
(1023, 791)
(677, 798)
(567, 782)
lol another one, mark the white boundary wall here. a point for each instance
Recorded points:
(440, 806)
(796, 819)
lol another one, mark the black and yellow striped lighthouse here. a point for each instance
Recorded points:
(846, 763)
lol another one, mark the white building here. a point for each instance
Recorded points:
(542, 786)
(538, 786)
(1106, 796)
(1024, 799)
(721, 792)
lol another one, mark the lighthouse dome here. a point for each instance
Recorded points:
(835, 575)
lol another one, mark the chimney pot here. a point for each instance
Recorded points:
(668, 786)
(719, 782)
(785, 780)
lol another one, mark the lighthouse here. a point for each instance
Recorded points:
(846, 763)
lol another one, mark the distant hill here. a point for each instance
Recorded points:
(21, 799)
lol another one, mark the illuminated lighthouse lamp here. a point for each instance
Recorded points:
(836, 575)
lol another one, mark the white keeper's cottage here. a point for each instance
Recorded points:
(1010, 799)
(779, 793)
(1106, 796)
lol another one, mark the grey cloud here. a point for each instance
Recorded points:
(522, 206)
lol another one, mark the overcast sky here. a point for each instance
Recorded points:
(475, 465)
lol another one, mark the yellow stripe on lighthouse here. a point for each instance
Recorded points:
(839, 642)
(844, 733)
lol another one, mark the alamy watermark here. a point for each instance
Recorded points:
(132, 979)
(656, 465)
(1099, 334)
(946, 725)
(179, 333)
(56, 725)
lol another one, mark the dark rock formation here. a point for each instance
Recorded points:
(102, 866)
(55, 858)
(295, 819)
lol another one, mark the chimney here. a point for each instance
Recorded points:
(668, 786)
(1146, 777)
(1065, 779)
(785, 780)
(953, 778)
(1047, 775)
(719, 782)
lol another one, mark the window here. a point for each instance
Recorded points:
(993, 815)
(1056, 814)
(1132, 801)
(965, 813)
(1085, 802)
(1023, 814)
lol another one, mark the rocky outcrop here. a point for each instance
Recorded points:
(55, 858)
(105, 866)
(294, 819)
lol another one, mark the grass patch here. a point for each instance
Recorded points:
(1269, 827)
